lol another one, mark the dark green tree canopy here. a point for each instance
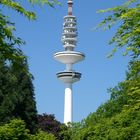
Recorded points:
(49, 124)
(17, 92)
(17, 95)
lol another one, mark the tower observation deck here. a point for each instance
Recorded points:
(69, 57)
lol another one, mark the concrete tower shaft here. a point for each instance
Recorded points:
(69, 57)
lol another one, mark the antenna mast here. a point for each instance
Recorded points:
(70, 3)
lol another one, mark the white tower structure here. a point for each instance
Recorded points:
(69, 57)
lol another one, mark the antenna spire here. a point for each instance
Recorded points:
(70, 3)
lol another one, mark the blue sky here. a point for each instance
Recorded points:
(43, 39)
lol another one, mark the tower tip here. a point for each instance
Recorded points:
(70, 3)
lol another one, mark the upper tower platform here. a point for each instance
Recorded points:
(69, 35)
(69, 41)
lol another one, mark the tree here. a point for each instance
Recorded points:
(16, 92)
(118, 118)
(16, 5)
(49, 124)
(16, 130)
(17, 95)
(128, 33)
(8, 41)
(41, 135)
(9, 49)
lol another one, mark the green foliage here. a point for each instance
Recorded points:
(15, 130)
(43, 136)
(8, 41)
(47, 2)
(16, 5)
(17, 95)
(17, 91)
(122, 126)
(118, 118)
(128, 33)
(9, 44)
(70, 132)
(49, 124)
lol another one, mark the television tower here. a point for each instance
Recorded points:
(69, 57)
